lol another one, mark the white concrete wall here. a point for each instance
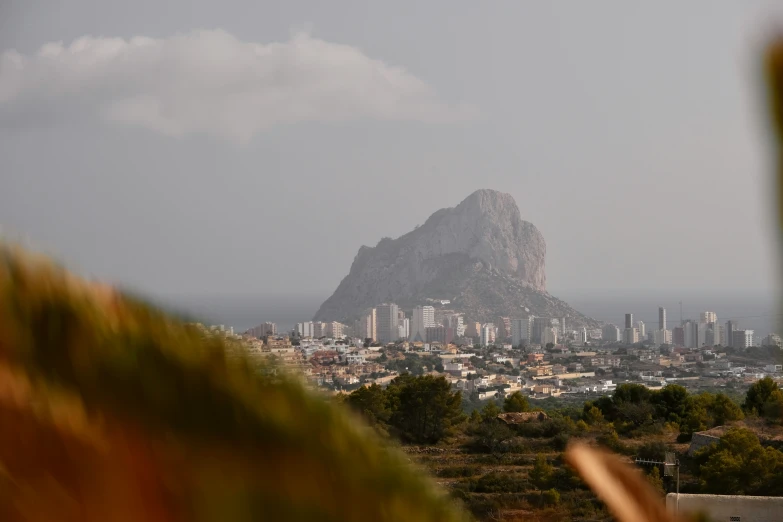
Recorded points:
(720, 508)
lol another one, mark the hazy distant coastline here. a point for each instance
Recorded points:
(753, 310)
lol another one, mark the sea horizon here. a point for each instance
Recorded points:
(754, 310)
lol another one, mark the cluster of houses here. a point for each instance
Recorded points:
(493, 372)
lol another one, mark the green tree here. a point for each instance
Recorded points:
(739, 465)
(773, 408)
(550, 497)
(592, 415)
(698, 417)
(758, 394)
(490, 437)
(371, 403)
(655, 480)
(542, 472)
(631, 393)
(671, 402)
(516, 402)
(725, 410)
(478, 362)
(490, 412)
(652, 450)
(424, 409)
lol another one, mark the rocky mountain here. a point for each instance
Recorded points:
(480, 255)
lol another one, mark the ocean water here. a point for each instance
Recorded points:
(245, 312)
(756, 311)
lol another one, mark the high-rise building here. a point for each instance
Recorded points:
(454, 321)
(405, 328)
(487, 334)
(691, 333)
(541, 323)
(549, 335)
(708, 317)
(631, 336)
(335, 330)
(661, 318)
(504, 327)
(368, 325)
(640, 327)
(423, 318)
(742, 339)
(610, 333)
(520, 331)
(771, 340)
(713, 335)
(304, 329)
(439, 334)
(678, 336)
(731, 326)
(628, 321)
(701, 334)
(662, 337)
(269, 328)
(473, 330)
(388, 322)
(263, 329)
(320, 329)
(583, 335)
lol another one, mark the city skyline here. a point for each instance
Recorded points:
(426, 324)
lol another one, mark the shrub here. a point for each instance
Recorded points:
(611, 441)
(483, 507)
(560, 441)
(490, 437)
(551, 497)
(542, 472)
(457, 471)
(655, 450)
(495, 482)
(684, 437)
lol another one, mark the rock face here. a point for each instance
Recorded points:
(480, 255)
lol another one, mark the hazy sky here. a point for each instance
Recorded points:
(243, 147)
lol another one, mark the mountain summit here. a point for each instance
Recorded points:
(480, 255)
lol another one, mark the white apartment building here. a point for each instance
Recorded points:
(549, 335)
(367, 327)
(335, 330)
(520, 330)
(631, 336)
(610, 333)
(388, 322)
(304, 329)
(487, 334)
(423, 317)
(456, 322)
(708, 317)
(662, 337)
(742, 339)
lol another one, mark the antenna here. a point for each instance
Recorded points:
(671, 468)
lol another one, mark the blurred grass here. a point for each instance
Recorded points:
(112, 410)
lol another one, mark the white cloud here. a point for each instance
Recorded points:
(210, 82)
